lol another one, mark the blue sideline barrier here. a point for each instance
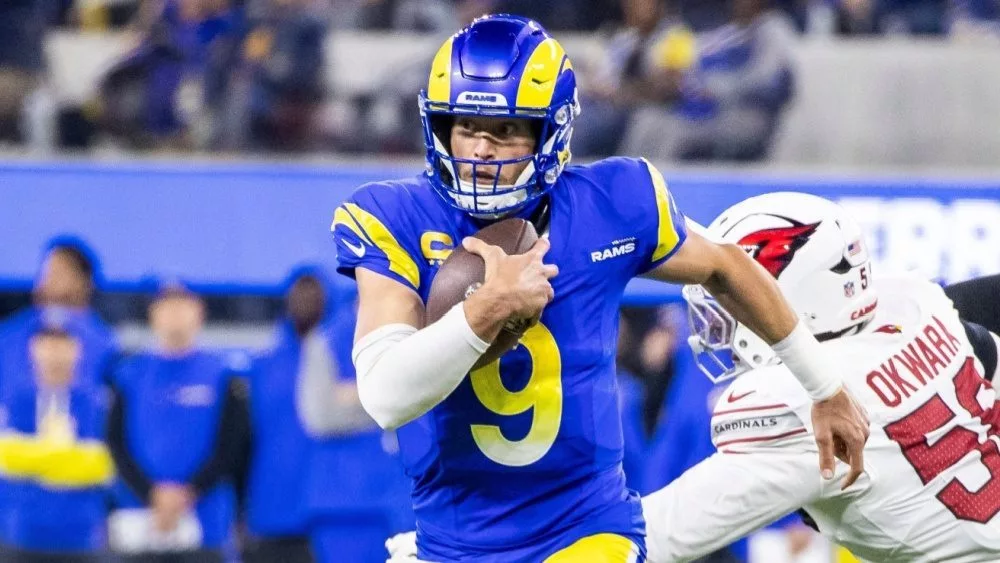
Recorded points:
(239, 228)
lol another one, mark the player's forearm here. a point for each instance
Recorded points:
(752, 296)
(486, 312)
(724, 498)
(403, 372)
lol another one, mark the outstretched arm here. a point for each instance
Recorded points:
(752, 296)
(740, 285)
(724, 498)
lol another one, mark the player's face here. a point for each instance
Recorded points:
(488, 139)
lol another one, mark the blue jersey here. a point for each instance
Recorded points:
(525, 456)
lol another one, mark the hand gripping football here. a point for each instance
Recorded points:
(463, 272)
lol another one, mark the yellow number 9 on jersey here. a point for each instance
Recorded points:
(543, 394)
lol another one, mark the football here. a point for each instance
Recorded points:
(463, 272)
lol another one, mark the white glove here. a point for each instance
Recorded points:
(403, 548)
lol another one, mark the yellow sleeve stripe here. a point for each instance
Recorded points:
(79, 464)
(342, 217)
(439, 84)
(400, 261)
(667, 237)
(538, 81)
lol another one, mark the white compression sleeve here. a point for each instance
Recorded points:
(404, 372)
(807, 360)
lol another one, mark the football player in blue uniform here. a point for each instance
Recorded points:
(520, 460)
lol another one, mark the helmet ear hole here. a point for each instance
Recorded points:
(842, 267)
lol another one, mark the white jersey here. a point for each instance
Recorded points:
(931, 487)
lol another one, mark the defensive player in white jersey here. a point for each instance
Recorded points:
(931, 488)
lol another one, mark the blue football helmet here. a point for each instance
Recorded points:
(500, 65)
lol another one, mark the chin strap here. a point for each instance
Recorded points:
(540, 217)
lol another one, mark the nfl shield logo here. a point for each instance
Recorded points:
(849, 289)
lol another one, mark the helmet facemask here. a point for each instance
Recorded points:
(723, 348)
(485, 198)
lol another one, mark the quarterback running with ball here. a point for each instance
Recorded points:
(520, 460)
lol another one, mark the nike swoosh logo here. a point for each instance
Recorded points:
(358, 251)
(734, 398)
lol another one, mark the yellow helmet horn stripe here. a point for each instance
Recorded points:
(538, 82)
(439, 84)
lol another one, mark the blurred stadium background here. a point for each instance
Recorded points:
(207, 142)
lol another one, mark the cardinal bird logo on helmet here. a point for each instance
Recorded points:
(774, 248)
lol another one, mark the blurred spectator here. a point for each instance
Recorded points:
(439, 16)
(56, 459)
(266, 92)
(63, 293)
(976, 20)
(630, 398)
(705, 15)
(731, 99)
(178, 429)
(356, 492)
(643, 65)
(99, 15)
(295, 393)
(567, 15)
(802, 12)
(910, 17)
(22, 60)
(151, 98)
(645, 371)
(428, 16)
